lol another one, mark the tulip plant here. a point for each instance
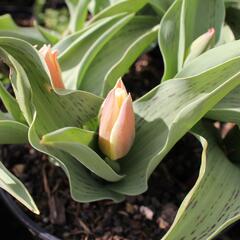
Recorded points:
(71, 104)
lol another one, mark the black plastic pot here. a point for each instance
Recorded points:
(36, 231)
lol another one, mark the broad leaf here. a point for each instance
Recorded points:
(160, 127)
(211, 58)
(5, 116)
(78, 14)
(123, 6)
(11, 104)
(227, 110)
(12, 185)
(212, 203)
(54, 111)
(9, 29)
(74, 144)
(50, 35)
(12, 132)
(98, 5)
(180, 26)
(226, 35)
(82, 47)
(97, 46)
(79, 135)
(116, 57)
(20, 85)
(161, 6)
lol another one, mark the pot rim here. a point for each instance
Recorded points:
(32, 226)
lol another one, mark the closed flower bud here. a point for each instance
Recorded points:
(200, 45)
(117, 123)
(53, 65)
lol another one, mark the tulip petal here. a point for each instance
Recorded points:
(53, 65)
(108, 115)
(123, 131)
(120, 84)
(120, 96)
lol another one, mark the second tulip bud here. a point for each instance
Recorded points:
(50, 58)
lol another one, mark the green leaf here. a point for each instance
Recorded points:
(97, 46)
(98, 5)
(211, 58)
(9, 29)
(67, 41)
(12, 185)
(78, 14)
(227, 110)
(161, 6)
(73, 143)
(12, 132)
(116, 57)
(5, 116)
(84, 186)
(212, 203)
(180, 26)
(20, 85)
(11, 104)
(129, 57)
(160, 127)
(55, 111)
(72, 134)
(86, 47)
(7, 22)
(123, 6)
(226, 35)
(51, 36)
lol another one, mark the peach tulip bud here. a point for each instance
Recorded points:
(53, 65)
(117, 123)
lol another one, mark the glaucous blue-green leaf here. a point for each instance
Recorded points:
(211, 58)
(20, 86)
(11, 104)
(96, 6)
(123, 6)
(227, 110)
(159, 127)
(8, 28)
(85, 46)
(97, 46)
(5, 116)
(67, 41)
(13, 132)
(51, 36)
(72, 134)
(12, 185)
(84, 185)
(226, 36)
(55, 111)
(74, 146)
(180, 26)
(212, 203)
(78, 14)
(116, 57)
(161, 6)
